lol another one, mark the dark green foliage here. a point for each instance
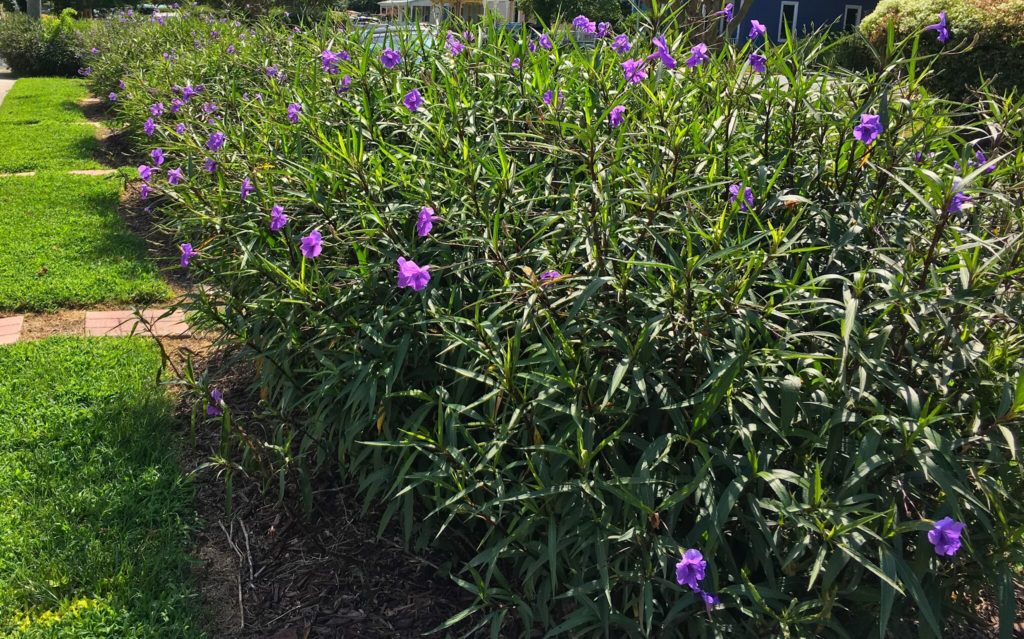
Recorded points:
(51, 46)
(551, 10)
(986, 44)
(94, 510)
(798, 390)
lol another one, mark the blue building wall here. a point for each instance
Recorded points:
(810, 15)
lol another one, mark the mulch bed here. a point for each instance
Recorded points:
(269, 572)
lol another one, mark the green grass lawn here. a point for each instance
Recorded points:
(62, 244)
(94, 511)
(41, 127)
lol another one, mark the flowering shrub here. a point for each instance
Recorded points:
(586, 315)
(51, 46)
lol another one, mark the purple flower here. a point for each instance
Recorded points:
(551, 99)
(186, 254)
(216, 141)
(112, 97)
(310, 246)
(942, 26)
(757, 62)
(532, 46)
(209, 107)
(231, 49)
(175, 177)
(176, 105)
(621, 44)
(452, 44)
(328, 61)
(710, 599)
(94, 51)
(756, 30)
(390, 58)
(545, 41)
(411, 275)
(945, 536)
(343, 86)
(294, 109)
(690, 569)
(149, 127)
(209, 165)
(158, 156)
(277, 218)
(918, 157)
(213, 407)
(413, 100)
(425, 221)
(121, 85)
(247, 188)
(869, 129)
(188, 92)
(144, 191)
(616, 116)
(698, 55)
(663, 54)
(145, 172)
(85, 72)
(980, 160)
(584, 24)
(516, 62)
(156, 109)
(727, 12)
(748, 196)
(603, 29)
(634, 71)
(957, 202)
(547, 276)
(180, 128)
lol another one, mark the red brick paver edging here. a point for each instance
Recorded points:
(156, 322)
(10, 329)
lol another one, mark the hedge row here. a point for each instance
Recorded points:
(571, 311)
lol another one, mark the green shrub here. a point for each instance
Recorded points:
(50, 46)
(797, 387)
(986, 43)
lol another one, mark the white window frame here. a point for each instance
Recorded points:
(846, 12)
(781, 35)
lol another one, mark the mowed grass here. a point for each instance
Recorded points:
(62, 244)
(41, 127)
(94, 511)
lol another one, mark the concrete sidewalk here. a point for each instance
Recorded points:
(6, 82)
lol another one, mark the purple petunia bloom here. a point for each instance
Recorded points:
(584, 24)
(516, 62)
(942, 26)
(757, 62)
(869, 129)
(634, 71)
(277, 218)
(186, 254)
(247, 188)
(390, 58)
(690, 569)
(621, 44)
(149, 127)
(311, 245)
(413, 100)
(756, 30)
(294, 109)
(145, 172)
(662, 53)
(616, 116)
(958, 202)
(748, 196)
(180, 128)
(425, 221)
(453, 45)
(604, 29)
(213, 408)
(209, 165)
(547, 276)
(411, 275)
(698, 55)
(112, 97)
(216, 141)
(158, 156)
(945, 536)
(175, 177)
(545, 41)
(727, 12)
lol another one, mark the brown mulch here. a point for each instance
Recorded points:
(269, 572)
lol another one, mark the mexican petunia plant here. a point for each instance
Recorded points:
(712, 341)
